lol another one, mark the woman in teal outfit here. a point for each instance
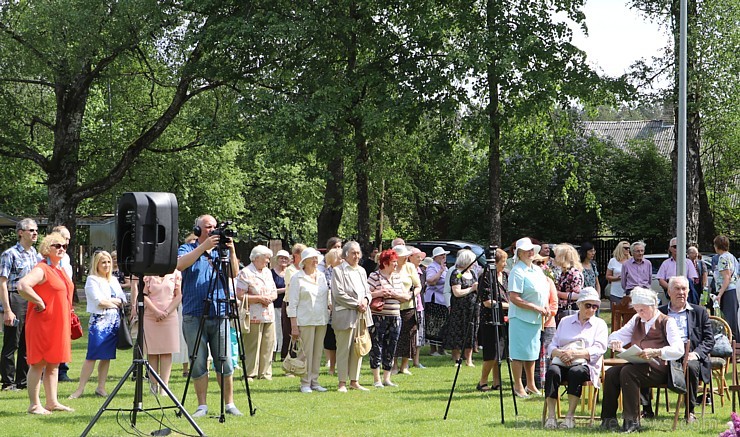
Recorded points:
(528, 297)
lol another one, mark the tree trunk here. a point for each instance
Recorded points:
(362, 163)
(494, 136)
(330, 216)
(381, 212)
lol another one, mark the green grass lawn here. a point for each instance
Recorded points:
(416, 407)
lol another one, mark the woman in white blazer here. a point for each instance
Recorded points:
(309, 314)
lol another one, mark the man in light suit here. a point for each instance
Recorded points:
(693, 322)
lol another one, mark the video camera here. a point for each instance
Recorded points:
(491, 254)
(225, 235)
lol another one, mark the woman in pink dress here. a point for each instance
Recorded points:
(162, 296)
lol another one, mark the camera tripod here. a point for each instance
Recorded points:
(489, 282)
(225, 311)
(137, 368)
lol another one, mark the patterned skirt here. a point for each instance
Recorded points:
(435, 320)
(103, 335)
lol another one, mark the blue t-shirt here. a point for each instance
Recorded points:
(198, 279)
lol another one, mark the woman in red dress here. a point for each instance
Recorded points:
(48, 291)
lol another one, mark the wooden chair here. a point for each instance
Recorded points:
(681, 397)
(719, 366)
(592, 394)
(622, 312)
(734, 388)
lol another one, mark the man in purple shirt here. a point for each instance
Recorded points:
(636, 271)
(668, 269)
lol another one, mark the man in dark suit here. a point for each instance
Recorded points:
(693, 322)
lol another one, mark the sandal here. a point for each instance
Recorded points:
(482, 387)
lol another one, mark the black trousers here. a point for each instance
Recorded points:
(14, 340)
(575, 376)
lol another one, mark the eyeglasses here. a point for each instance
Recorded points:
(59, 246)
(591, 306)
(33, 231)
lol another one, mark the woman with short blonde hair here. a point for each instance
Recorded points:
(48, 291)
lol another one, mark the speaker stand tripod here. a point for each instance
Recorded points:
(138, 367)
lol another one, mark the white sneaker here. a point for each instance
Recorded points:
(342, 389)
(318, 388)
(551, 423)
(378, 385)
(306, 390)
(200, 412)
(233, 411)
(435, 354)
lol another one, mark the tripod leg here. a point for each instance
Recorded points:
(166, 389)
(242, 360)
(196, 347)
(108, 400)
(511, 378)
(452, 390)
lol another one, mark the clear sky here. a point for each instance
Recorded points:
(618, 36)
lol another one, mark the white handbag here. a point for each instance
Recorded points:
(573, 345)
(243, 310)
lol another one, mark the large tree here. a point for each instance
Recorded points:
(517, 58)
(711, 107)
(66, 64)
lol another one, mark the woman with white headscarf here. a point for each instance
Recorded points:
(255, 284)
(660, 339)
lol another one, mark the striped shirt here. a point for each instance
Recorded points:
(376, 281)
(15, 263)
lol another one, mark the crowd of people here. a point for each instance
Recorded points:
(400, 297)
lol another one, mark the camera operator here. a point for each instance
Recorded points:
(197, 261)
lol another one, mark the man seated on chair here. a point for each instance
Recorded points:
(693, 323)
(659, 337)
(576, 349)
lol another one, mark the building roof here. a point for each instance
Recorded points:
(621, 133)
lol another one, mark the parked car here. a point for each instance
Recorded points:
(453, 246)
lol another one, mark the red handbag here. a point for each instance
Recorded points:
(377, 304)
(76, 327)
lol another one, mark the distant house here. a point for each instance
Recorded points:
(621, 133)
(661, 132)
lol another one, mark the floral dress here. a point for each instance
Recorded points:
(463, 310)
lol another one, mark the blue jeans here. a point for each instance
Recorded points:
(215, 334)
(384, 332)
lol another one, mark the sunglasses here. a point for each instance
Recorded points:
(674, 246)
(537, 263)
(626, 248)
(591, 306)
(59, 246)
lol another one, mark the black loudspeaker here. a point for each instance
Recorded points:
(146, 233)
